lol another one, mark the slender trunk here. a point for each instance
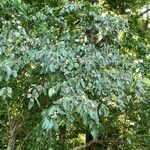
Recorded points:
(88, 139)
(62, 133)
(11, 142)
(12, 133)
(62, 136)
(122, 8)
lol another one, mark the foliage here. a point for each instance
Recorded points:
(72, 67)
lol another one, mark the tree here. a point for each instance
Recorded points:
(73, 62)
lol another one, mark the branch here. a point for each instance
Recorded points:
(145, 12)
(24, 140)
(6, 128)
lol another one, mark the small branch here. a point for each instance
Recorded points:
(144, 12)
(24, 140)
(5, 126)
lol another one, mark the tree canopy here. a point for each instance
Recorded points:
(74, 75)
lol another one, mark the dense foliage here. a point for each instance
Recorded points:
(74, 75)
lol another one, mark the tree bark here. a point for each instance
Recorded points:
(95, 145)
(88, 139)
(122, 8)
(12, 134)
(62, 133)
(11, 142)
(62, 136)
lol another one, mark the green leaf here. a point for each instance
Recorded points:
(31, 103)
(51, 92)
(52, 68)
(14, 73)
(51, 110)
(80, 108)
(66, 104)
(92, 114)
(8, 71)
(19, 1)
(56, 126)
(94, 132)
(38, 102)
(1, 91)
(46, 123)
(51, 124)
(146, 80)
(129, 141)
(9, 91)
(103, 110)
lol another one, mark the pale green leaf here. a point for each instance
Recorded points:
(45, 124)
(51, 92)
(94, 132)
(31, 103)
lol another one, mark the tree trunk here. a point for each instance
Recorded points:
(88, 139)
(62, 136)
(95, 145)
(12, 133)
(11, 142)
(62, 133)
(122, 9)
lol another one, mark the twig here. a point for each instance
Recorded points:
(4, 126)
(21, 147)
(141, 14)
